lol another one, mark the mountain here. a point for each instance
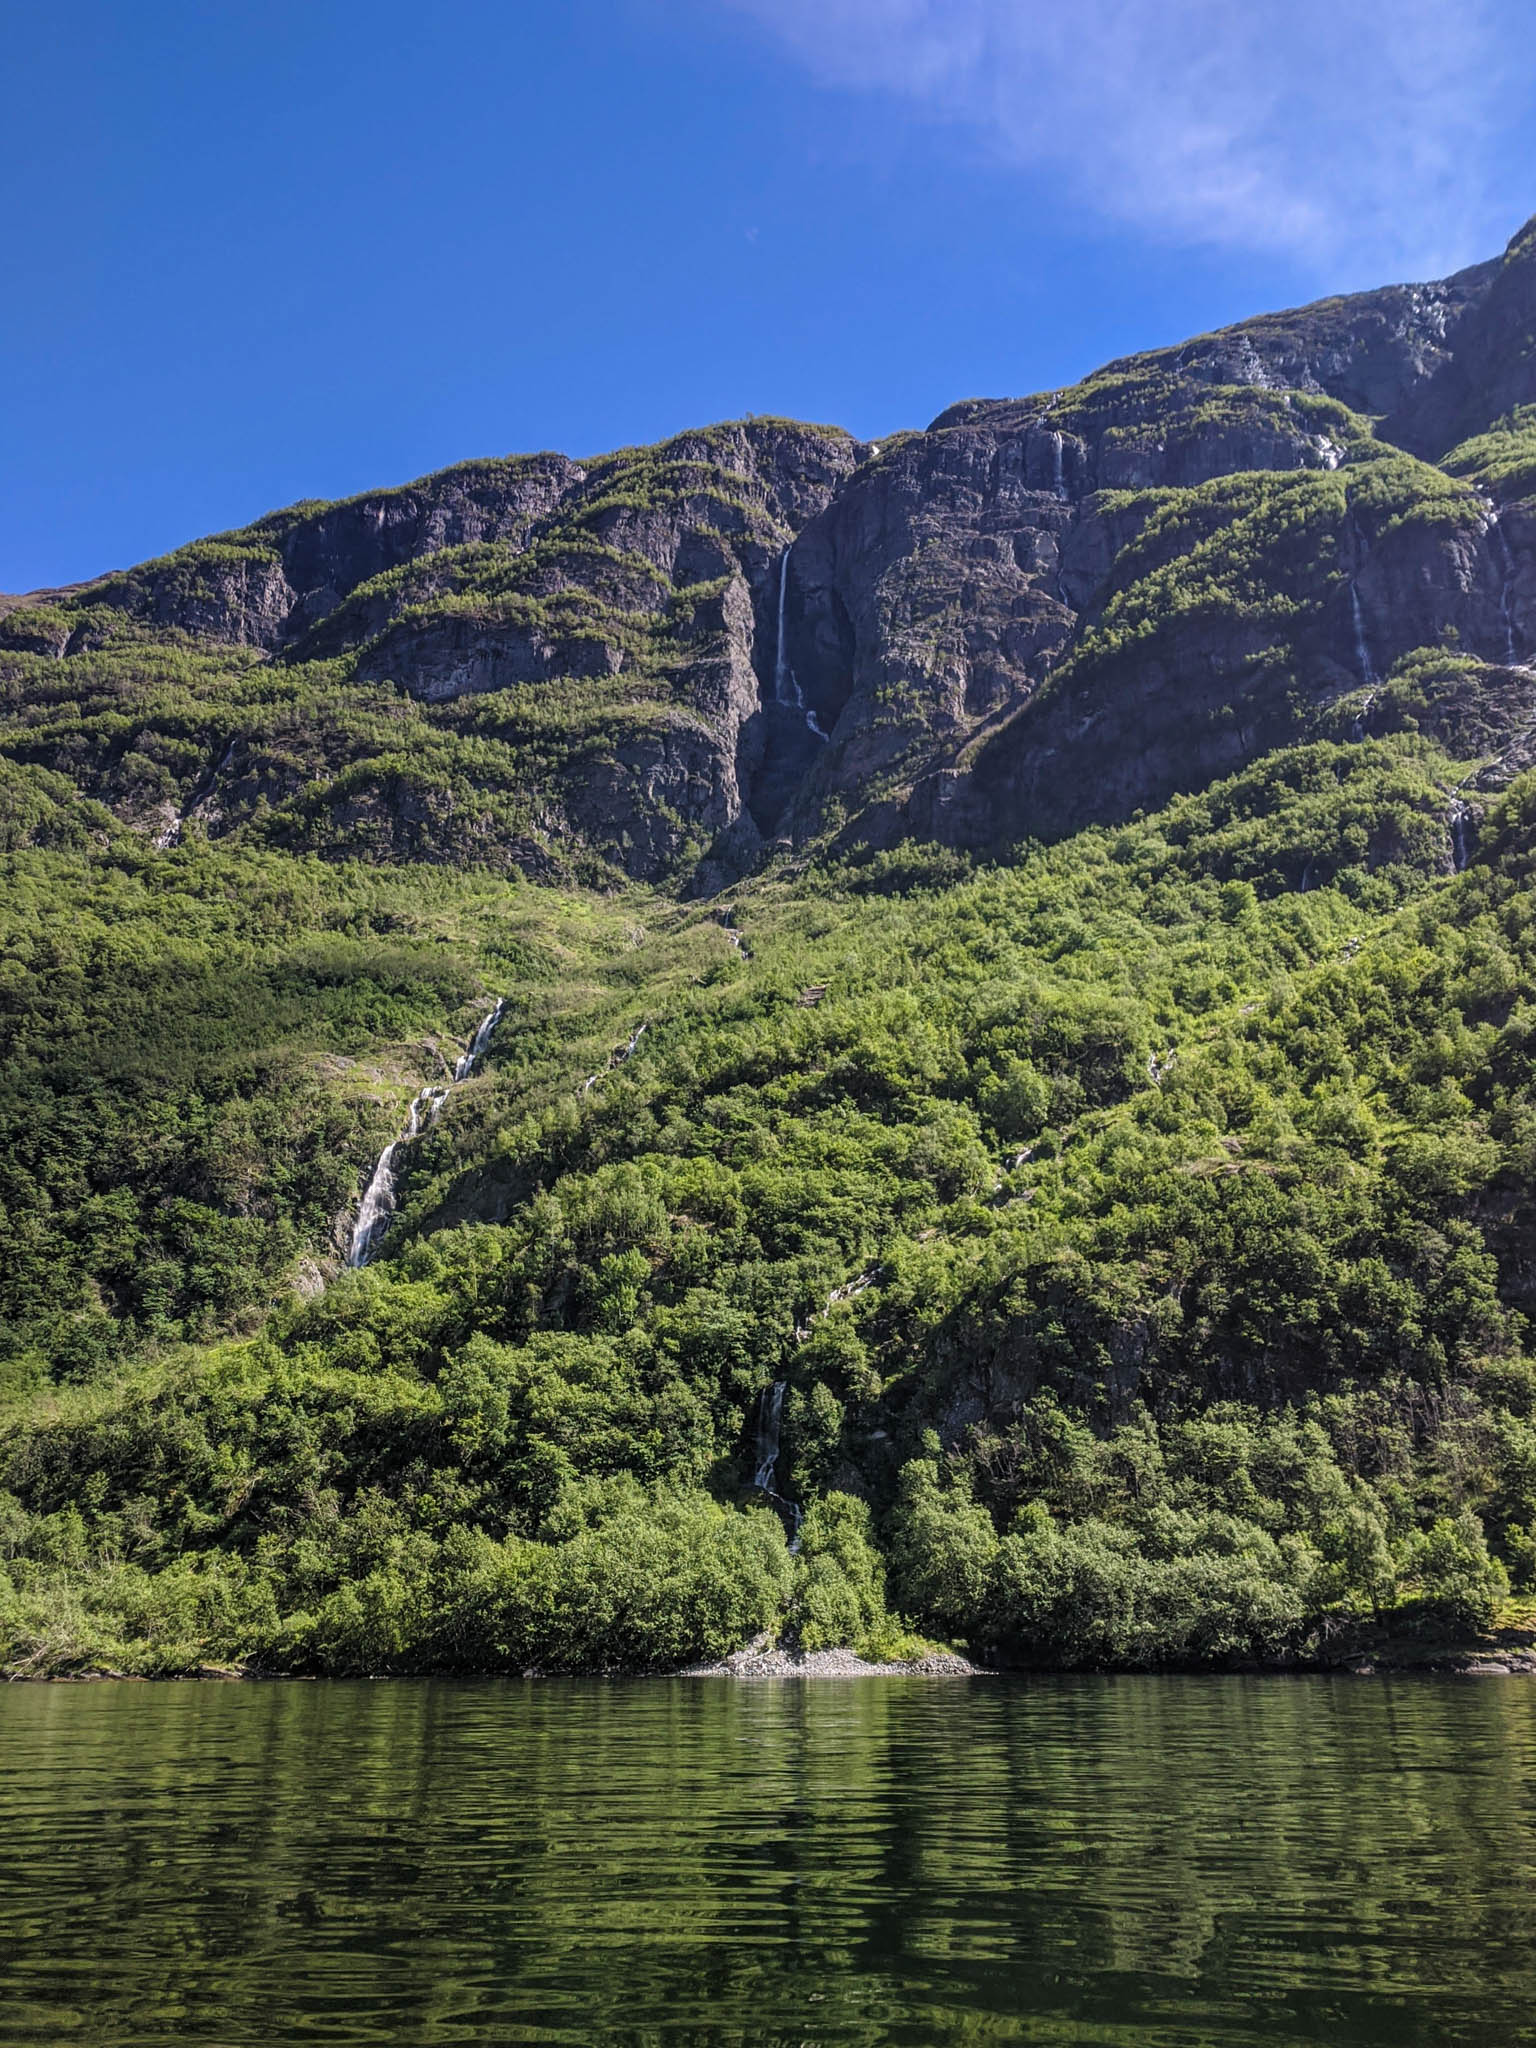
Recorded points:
(965, 1001)
(1035, 615)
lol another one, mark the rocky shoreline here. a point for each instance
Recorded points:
(763, 1662)
(1513, 1657)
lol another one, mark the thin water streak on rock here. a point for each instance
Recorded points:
(769, 1427)
(786, 688)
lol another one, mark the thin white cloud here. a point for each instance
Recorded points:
(1345, 133)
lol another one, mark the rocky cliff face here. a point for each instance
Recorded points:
(533, 662)
(1034, 614)
(1045, 612)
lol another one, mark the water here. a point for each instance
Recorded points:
(770, 1424)
(1149, 1863)
(467, 1061)
(1506, 568)
(1362, 649)
(380, 1198)
(625, 1052)
(1456, 823)
(783, 674)
(770, 1419)
(171, 836)
(786, 688)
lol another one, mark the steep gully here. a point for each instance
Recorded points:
(786, 690)
(1500, 546)
(381, 1196)
(789, 737)
(1368, 674)
(770, 1420)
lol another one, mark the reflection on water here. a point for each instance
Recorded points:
(1144, 1861)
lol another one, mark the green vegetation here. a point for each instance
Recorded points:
(1149, 408)
(1129, 1237)
(1501, 461)
(1138, 1236)
(1261, 552)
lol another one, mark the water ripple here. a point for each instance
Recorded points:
(1171, 1862)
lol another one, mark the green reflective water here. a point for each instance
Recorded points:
(1148, 1861)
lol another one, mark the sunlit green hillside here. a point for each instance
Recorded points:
(1142, 1239)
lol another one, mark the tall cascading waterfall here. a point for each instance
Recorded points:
(783, 674)
(376, 1210)
(1368, 674)
(770, 1420)
(1505, 560)
(1058, 469)
(786, 689)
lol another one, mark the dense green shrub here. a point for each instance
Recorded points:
(1135, 1234)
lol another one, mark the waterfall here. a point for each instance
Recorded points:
(617, 1057)
(171, 836)
(1506, 609)
(770, 1419)
(1368, 675)
(783, 674)
(1460, 850)
(481, 1039)
(786, 689)
(1357, 730)
(376, 1210)
(378, 1203)
(1058, 470)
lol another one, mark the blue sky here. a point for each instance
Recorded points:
(257, 254)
